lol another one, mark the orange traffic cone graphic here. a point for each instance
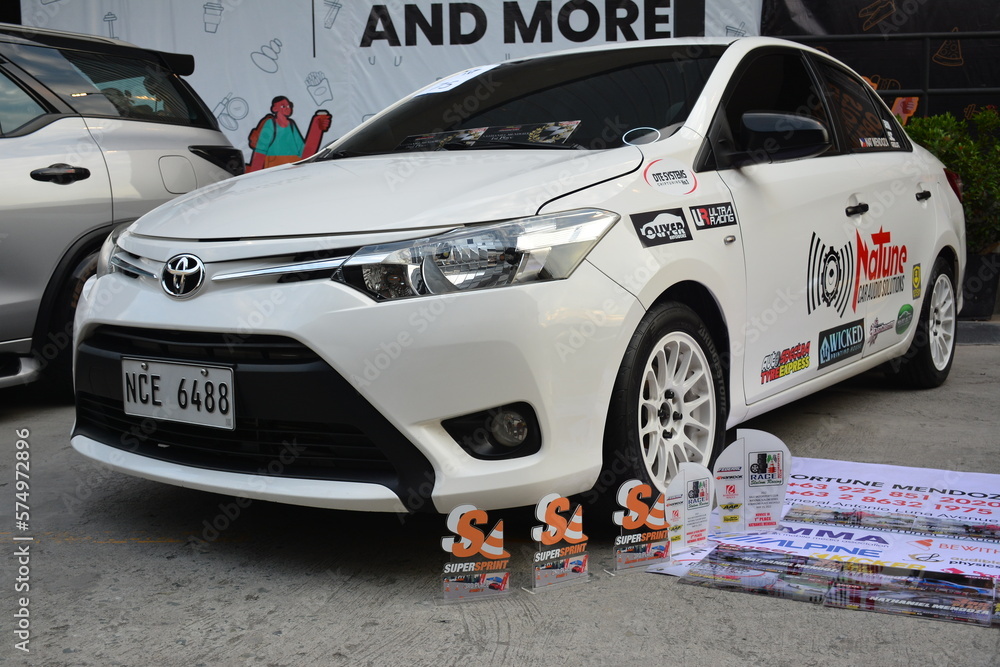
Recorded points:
(658, 514)
(493, 547)
(574, 531)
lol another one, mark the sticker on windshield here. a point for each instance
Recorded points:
(457, 79)
(659, 227)
(670, 177)
(556, 132)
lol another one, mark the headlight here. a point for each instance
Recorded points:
(104, 265)
(544, 247)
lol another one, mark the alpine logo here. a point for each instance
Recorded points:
(880, 269)
(828, 282)
(659, 227)
(840, 343)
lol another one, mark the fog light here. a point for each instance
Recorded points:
(509, 428)
(505, 432)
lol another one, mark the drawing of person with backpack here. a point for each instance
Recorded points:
(277, 139)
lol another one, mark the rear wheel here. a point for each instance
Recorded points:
(669, 404)
(928, 361)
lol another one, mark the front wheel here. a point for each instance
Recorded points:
(928, 361)
(669, 403)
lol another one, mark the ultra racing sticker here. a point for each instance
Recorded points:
(660, 227)
(670, 177)
(710, 216)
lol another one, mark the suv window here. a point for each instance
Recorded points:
(16, 107)
(865, 125)
(110, 85)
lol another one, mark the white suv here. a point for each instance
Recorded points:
(93, 133)
(542, 276)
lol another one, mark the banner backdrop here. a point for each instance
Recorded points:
(352, 58)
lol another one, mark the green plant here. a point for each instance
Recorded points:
(972, 150)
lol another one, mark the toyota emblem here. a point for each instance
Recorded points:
(182, 276)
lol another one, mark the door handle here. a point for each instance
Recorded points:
(61, 174)
(923, 195)
(856, 210)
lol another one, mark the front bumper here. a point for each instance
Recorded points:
(349, 414)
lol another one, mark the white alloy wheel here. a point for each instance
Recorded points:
(941, 323)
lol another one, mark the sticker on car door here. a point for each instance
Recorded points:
(659, 227)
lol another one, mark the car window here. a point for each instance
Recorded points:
(592, 100)
(110, 85)
(16, 107)
(865, 124)
(773, 82)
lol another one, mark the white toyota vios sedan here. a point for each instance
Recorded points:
(538, 276)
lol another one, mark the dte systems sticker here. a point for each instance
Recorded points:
(670, 176)
(659, 227)
(714, 215)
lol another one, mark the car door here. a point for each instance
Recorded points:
(798, 241)
(893, 212)
(55, 189)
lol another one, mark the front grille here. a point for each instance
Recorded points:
(295, 416)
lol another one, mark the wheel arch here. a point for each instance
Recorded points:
(80, 249)
(703, 302)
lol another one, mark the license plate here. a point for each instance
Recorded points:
(187, 393)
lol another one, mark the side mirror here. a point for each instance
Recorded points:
(775, 137)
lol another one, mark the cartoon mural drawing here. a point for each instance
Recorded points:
(277, 140)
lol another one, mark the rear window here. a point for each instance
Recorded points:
(98, 84)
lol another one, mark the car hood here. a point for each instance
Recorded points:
(384, 193)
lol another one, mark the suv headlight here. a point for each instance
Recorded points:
(104, 265)
(544, 247)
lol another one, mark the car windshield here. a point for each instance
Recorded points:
(591, 100)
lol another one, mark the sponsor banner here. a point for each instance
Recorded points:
(750, 479)
(479, 563)
(561, 545)
(887, 516)
(892, 590)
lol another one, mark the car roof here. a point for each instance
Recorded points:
(179, 63)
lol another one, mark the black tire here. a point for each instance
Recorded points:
(56, 349)
(927, 362)
(689, 425)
